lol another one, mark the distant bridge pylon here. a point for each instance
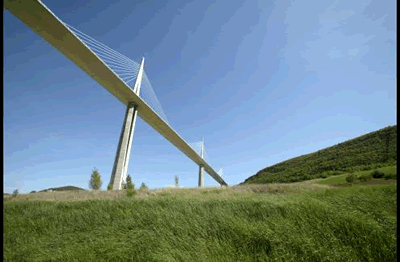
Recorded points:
(200, 149)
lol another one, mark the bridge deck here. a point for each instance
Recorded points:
(42, 21)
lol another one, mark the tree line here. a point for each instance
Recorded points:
(96, 182)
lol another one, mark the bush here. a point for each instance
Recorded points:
(377, 174)
(131, 192)
(15, 193)
(365, 178)
(129, 184)
(350, 178)
(390, 176)
(110, 187)
(143, 186)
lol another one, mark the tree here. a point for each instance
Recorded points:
(95, 180)
(177, 181)
(16, 192)
(143, 186)
(129, 184)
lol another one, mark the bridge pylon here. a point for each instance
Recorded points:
(121, 162)
(201, 169)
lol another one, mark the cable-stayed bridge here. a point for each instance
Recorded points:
(200, 149)
(121, 76)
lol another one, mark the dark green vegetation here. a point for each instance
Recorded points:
(373, 150)
(338, 224)
(389, 172)
(64, 188)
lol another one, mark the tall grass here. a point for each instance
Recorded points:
(343, 224)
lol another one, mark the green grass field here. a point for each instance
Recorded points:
(259, 223)
(341, 179)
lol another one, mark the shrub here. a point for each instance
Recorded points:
(15, 193)
(390, 176)
(32, 192)
(377, 174)
(131, 192)
(365, 177)
(143, 186)
(110, 187)
(129, 184)
(324, 175)
(350, 178)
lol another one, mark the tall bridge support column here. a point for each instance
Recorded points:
(123, 151)
(201, 169)
(121, 162)
(201, 176)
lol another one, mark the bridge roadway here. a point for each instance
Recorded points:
(41, 20)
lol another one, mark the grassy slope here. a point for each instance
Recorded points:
(373, 150)
(340, 224)
(341, 179)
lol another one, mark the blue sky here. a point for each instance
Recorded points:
(262, 81)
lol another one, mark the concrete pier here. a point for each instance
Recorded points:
(121, 162)
(125, 140)
(201, 176)
(201, 168)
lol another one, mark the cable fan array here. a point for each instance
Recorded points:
(125, 68)
(197, 148)
(127, 71)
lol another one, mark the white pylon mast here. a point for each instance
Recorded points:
(136, 89)
(201, 169)
(121, 162)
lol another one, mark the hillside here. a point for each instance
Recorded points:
(64, 188)
(366, 152)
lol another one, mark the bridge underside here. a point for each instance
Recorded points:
(42, 21)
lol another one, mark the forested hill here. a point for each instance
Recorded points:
(369, 151)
